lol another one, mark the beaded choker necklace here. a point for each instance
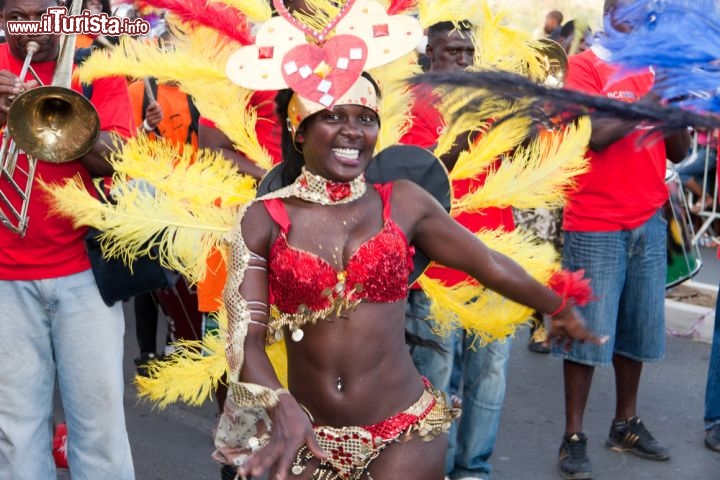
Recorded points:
(316, 189)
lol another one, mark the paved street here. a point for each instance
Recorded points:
(176, 443)
(710, 271)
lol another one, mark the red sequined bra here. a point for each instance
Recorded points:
(305, 287)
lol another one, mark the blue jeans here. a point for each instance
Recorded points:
(482, 385)
(627, 271)
(712, 392)
(61, 325)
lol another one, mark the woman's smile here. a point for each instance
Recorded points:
(347, 156)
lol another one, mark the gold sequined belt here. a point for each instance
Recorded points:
(351, 449)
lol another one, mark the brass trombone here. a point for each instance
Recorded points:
(51, 123)
(554, 61)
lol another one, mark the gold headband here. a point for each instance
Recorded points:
(362, 93)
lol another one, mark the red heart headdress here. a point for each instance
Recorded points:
(323, 66)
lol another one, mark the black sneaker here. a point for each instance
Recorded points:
(143, 361)
(631, 436)
(712, 438)
(572, 459)
(229, 473)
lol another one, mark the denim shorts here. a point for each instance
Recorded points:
(627, 274)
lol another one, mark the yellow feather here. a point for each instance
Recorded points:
(255, 10)
(223, 102)
(195, 177)
(538, 175)
(319, 13)
(460, 125)
(182, 218)
(479, 311)
(453, 101)
(195, 369)
(140, 223)
(190, 374)
(482, 313)
(493, 143)
(431, 12)
(136, 58)
(73, 200)
(396, 100)
(499, 46)
(228, 106)
(197, 64)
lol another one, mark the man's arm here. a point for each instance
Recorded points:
(606, 131)
(96, 160)
(112, 102)
(215, 139)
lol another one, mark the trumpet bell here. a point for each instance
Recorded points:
(555, 62)
(54, 124)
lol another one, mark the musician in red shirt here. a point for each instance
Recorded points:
(54, 321)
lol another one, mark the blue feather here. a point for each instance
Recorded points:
(680, 39)
(687, 81)
(676, 34)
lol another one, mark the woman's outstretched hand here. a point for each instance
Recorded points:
(291, 428)
(567, 326)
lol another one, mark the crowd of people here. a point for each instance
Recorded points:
(322, 263)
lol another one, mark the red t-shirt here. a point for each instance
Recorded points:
(626, 182)
(51, 246)
(427, 126)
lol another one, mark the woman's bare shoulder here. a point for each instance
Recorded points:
(408, 194)
(256, 213)
(258, 227)
(411, 203)
(407, 188)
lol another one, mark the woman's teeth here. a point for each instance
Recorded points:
(347, 153)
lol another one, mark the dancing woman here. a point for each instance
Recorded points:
(325, 260)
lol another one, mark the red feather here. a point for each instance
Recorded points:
(223, 18)
(572, 285)
(400, 6)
